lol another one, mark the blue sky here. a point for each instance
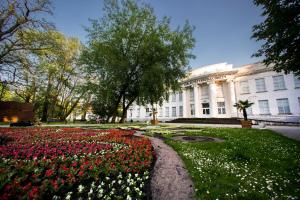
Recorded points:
(223, 27)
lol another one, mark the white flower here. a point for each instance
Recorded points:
(90, 192)
(128, 197)
(55, 197)
(80, 188)
(136, 175)
(119, 182)
(127, 189)
(93, 185)
(68, 197)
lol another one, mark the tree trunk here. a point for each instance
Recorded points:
(245, 114)
(46, 101)
(114, 115)
(83, 116)
(125, 108)
(153, 113)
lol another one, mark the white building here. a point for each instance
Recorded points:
(211, 92)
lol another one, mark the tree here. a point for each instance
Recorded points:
(128, 44)
(242, 106)
(17, 16)
(50, 78)
(280, 32)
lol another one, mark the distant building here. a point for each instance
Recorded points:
(211, 92)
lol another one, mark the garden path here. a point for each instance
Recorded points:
(170, 179)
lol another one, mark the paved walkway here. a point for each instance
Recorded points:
(170, 179)
(288, 131)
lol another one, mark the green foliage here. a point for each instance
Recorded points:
(135, 54)
(49, 76)
(242, 106)
(280, 32)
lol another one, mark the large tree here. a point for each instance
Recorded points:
(17, 16)
(280, 32)
(50, 78)
(128, 44)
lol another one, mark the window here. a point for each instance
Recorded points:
(192, 109)
(297, 81)
(283, 106)
(278, 82)
(147, 112)
(173, 111)
(244, 85)
(180, 96)
(264, 107)
(160, 112)
(205, 108)
(204, 91)
(260, 85)
(130, 111)
(192, 94)
(180, 111)
(138, 112)
(221, 108)
(220, 90)
(167, 111)
(173, 97)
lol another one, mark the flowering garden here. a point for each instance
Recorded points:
(73, 163)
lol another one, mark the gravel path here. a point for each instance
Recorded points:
(170, 179)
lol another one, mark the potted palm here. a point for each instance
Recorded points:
(242, 106)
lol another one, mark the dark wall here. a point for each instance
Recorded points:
(15, 112)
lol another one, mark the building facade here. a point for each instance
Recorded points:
(211, 92)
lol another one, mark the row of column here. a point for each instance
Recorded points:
(212, 100)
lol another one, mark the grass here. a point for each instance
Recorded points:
(249, 164)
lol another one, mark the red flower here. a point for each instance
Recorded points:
(49, 172)
(33, 192)
(80, 173)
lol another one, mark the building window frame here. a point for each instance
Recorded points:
(221, 107)
(244, 86)
(262, 87)
(192, 95)
(297, 81)
(174, 111)
(278, 82)
(192, 108)
(180, 111)
(205, 108)
(264, 107)
(283, 106)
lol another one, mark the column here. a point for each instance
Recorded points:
(232, 99)
(212, 98)
(184, 104)
(196, 100)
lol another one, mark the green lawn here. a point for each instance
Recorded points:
(249, 164)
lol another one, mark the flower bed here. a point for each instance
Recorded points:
(73, 163)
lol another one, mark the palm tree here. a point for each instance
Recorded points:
(242, 106)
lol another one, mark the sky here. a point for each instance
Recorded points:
(223, 28)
